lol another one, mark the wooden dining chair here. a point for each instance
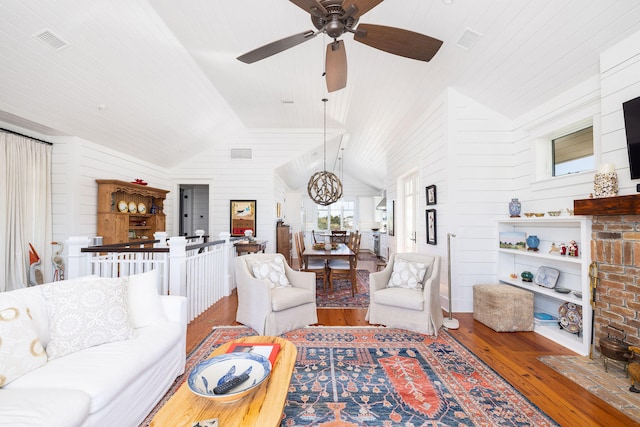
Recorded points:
(318, 266)
(339, 236)
(341, 268)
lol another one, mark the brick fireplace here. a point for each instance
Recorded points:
(615, 247)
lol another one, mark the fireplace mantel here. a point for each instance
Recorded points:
(619, 205)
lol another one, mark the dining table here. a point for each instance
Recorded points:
(337, 251)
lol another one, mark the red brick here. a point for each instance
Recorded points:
(616, 252)
(620, 278)
(631, 218)
(609, 268)
(627, 253)
(636, 254)
(597, 226)
(620, 227)
(634, 323)
(611, 284)
(623, 311)
(613, 317)
(610, 301)
(628, 330)
(633, 340)
(631, 235)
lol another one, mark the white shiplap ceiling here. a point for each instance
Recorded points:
(167, 74)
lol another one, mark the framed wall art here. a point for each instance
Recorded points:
(431, 227)
(242, 217)
(431, 195)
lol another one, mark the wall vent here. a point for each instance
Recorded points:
(241, 153)
(50, 39)
(468, 39)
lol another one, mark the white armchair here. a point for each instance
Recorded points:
(417, 310)
(274, 310)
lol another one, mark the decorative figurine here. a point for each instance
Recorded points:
(554, 248)
(563, 249)
(573, 248)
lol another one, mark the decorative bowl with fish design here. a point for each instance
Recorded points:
(218, 370)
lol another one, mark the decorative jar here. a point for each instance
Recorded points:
(527, 276)
(514, 208)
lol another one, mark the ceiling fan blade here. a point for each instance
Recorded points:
(398, 41)
(336, 66)
(311, 6)
(363, 6)
(276, 47)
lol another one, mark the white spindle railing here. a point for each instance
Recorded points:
(203, 273)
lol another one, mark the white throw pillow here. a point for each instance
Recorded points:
(20, 348)
(407, 274)
(272, 271)
(86, 314)
(143, 301)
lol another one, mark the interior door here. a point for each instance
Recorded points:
(410, 194)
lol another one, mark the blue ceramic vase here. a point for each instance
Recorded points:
(533, 242)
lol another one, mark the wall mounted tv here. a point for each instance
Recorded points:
(631, 111)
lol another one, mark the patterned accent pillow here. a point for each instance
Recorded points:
(272, 271)
(86, 314)
(20, 348)
(407, 274)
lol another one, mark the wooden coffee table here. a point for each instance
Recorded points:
(261, 408)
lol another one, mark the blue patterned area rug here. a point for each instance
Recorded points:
(372, 376)
(340, 296)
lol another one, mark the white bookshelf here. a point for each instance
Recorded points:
(574, 271)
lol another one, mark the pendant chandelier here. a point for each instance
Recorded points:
(324, 187)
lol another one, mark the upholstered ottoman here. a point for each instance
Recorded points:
(503, 308)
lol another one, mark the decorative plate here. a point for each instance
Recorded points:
(132, 207)
(142, 208)
(570, 315)
(122, 206)
(546, 277)
(212, 372)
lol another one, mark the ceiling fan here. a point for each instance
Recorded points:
(336, 17)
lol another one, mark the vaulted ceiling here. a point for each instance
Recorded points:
(159, 79)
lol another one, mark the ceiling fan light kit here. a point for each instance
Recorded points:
(336, 17)
(324, 188)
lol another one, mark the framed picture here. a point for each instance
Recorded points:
(431, 195)
(242, 217)
(431, 227)
(513, 240)
(390, 219)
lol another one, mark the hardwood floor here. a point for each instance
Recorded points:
(512, 355)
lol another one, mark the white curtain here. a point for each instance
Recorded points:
(25, 194)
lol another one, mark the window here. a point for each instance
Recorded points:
(573, 153)
(337, 216)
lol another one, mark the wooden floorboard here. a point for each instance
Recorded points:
(513, 355)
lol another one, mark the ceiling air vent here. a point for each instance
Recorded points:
(241, 153)
(468, 39)
(51, 40)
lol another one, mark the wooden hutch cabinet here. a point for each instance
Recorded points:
(129, 212)
(283, 241)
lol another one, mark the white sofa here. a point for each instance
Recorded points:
(115, 383)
